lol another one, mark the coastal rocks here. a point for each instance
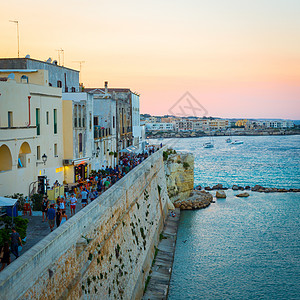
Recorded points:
(242, 195)
(208, 188)
(220, 194)
(179, 170)
(197, 200)
(237, 188)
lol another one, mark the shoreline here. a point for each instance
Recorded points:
(166, 135)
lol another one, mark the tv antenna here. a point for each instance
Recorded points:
(80, 62)
(61, 53)
(17, 23)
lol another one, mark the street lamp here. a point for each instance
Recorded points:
(44, 158)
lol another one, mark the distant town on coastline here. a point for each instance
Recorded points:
(191, 126)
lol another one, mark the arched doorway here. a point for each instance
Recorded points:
(24, 150)
(5, 159)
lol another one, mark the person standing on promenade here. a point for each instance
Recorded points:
(63, 217)
(51, 216)
(5, 255)
(73, 202)
(15, 240)
(45, 204)
(58, 216)
(84, 197)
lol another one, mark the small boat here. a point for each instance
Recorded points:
(228, 140)
(208, 145)
(237, 143)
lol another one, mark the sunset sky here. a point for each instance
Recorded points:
(237, 58)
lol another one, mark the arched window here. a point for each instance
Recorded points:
(24, 150)
(5, 159)
(24, 79)
(73, 89)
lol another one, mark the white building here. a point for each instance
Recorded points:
(159, 126)
(31, 131)
(105, 129)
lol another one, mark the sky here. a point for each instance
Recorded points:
(237, 58)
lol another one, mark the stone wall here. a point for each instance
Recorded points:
(105, 251)
(179, 169)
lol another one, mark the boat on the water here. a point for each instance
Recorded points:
(237, 143)
(208, 145)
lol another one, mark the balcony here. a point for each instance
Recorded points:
(101, 132)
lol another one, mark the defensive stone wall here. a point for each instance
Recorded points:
(105, 251)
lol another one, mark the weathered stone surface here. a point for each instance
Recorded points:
(103, 252)
(179, 169)
(220, 194)
(243, 194)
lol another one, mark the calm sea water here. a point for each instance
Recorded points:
(241, 248)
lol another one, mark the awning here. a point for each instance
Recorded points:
(4, 202)
(81, 161)
(130, 149)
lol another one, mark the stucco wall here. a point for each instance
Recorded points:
(103, 252)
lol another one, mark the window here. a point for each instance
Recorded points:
(90, 121)
(80, 142)
(55, 150)
(10, 119)
(96, 121)
(73, 89)
(59, 83)
(37, 121)
(47, 117)
(113, 121)
(75, 122)
(83, 122)
(79, 122)
(38, 152)
(55, 120)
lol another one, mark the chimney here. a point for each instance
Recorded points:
(105, 85)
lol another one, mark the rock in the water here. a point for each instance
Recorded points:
(243, 195)
(247, 187)
(198, 199)
(235, 187)
(219, 186)
(220, 194)
(208, 188)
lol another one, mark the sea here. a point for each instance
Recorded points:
(241, 248)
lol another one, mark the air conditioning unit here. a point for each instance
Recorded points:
(67, 162)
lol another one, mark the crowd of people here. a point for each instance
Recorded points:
(85, 190)
(89, 189)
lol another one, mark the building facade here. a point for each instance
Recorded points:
(31, 131)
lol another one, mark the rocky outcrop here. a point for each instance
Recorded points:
(198, 199)
(243, 195)
(179, 170)
(220, 194)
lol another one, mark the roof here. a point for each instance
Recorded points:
(37, 60)
(17, 71)
(117, 90)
